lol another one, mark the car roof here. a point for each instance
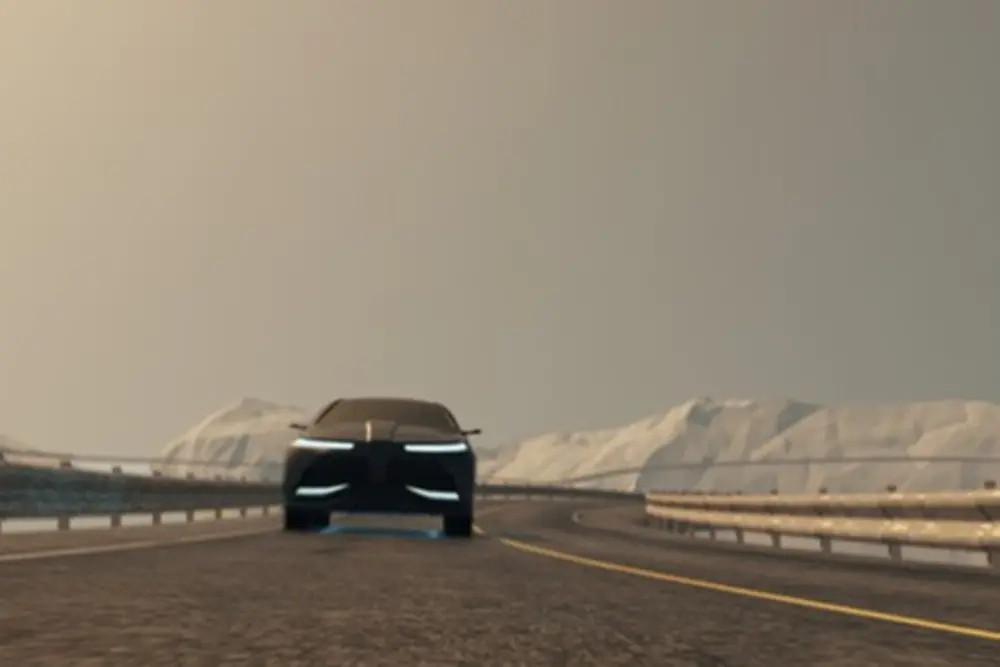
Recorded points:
(407, 407)
(391, 399)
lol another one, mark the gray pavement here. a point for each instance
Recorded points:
(393, 593)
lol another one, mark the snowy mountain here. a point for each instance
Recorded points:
(702, 432)
(247, 438)
(15, 451)
(250, 437)
(8, 444)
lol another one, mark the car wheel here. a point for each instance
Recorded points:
(320, 520)
(298, 520)
(458, 526)
(295, 520)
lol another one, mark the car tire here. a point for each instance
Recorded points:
(292, 520)
(320, 520)
(295, 520)
(299, 520)
(458, 526)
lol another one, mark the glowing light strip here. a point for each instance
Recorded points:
(437, 448)
(319, 491)
(430, 494)
(325, 445)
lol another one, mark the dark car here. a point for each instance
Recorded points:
(381, 455)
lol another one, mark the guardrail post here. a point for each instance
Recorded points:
(825, 545)
(243, 512)
(740, 537)
(116, 518)
(218, 513)
(189, 516)
(775, 540)
(988, 512)
(157, 518)
(62, 522)
(993, 558)
(895, 551)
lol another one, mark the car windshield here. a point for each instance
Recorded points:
(412, 413)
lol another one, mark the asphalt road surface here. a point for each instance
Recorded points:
(548, 584)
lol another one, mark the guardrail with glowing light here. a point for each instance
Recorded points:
(962, 521)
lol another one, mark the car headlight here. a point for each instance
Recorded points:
(437, 448)
(323, 445)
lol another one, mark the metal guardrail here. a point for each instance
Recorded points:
(968, 521)
(976, 506)
(953, 535)
(64, 493)
(59, 457)
(29, 492)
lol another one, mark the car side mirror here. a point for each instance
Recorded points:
(473, 431)
(297, 426)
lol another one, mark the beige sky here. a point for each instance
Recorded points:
(551, 215)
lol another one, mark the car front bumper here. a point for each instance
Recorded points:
(381, 479)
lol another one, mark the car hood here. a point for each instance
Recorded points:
(382, 431)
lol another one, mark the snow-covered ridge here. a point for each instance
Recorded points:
(250, 438)
(8, 444)
(14, 451)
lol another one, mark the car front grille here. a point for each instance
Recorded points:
(378, 464)
(419, 470)
(335, 468)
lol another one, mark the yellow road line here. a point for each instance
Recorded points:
(817, 605)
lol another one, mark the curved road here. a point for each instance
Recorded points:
(548, 584)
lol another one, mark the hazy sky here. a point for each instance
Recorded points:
(551, 215)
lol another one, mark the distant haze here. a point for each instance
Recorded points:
(551, 215)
